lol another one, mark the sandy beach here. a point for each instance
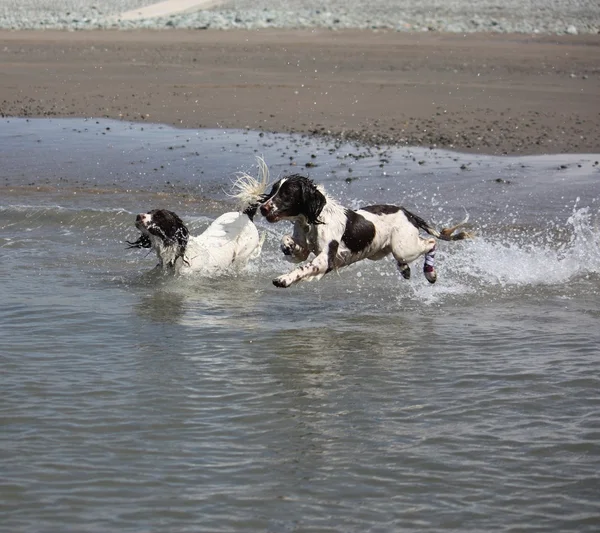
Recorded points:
(487, 93)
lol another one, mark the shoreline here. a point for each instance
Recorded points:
(484, 93)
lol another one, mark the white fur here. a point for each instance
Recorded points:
(394, 234)
(336, 240)
(247, 188)
(226, 245)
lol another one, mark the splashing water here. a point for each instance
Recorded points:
(509, 261)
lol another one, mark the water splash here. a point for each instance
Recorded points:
(523, 260)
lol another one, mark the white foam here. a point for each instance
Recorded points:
(513, 261)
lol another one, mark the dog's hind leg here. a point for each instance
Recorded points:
(404, 269)
(429, 266)
(408, 246)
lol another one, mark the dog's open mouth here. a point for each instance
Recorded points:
(272, 217)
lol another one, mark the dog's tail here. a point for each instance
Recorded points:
(445, 234)
(249, 191)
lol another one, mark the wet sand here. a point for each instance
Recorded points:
(492, 94)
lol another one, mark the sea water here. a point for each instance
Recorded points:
(132, 401)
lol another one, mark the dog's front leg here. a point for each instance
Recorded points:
(294, 251)
(295, 246)
(316, 268)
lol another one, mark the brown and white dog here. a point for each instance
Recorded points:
(339, 236)
(226, 245)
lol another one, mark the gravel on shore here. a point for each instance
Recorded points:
(510, 16)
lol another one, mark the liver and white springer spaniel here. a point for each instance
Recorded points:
(339, 236)
(226, 245)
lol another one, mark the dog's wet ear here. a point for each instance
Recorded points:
(181, 238)
(314, 201)
(169, 226)
(181, 235)
(142, 242)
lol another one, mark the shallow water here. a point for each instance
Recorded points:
(363, 402)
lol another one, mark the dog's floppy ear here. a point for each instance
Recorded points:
(171, 227)
(313, 200)
(142, 242)
(181, 235)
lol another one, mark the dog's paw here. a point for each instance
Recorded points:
(287, 245)
(405, 271)
(281, 282)
(430, 275)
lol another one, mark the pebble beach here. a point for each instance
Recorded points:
(510, 16)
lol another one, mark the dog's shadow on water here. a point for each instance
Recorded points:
(248, 301)
(224, 301)
(161, 306)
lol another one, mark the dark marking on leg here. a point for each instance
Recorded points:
(404, 269)
(331, 255)
(429, 266)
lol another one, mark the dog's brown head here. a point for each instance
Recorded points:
(291, 197)
(164, 231)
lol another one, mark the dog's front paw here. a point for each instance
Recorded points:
(281, 282)
(287, 245)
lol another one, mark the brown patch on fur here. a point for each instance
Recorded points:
(446, 234)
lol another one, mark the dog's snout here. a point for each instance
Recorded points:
(265, 208)
(142, 219)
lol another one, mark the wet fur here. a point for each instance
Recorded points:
(339, 236)
(165, 232)
(229, 242)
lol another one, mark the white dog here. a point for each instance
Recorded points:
(339, 236)
(226, 245)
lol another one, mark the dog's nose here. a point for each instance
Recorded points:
(265, 208)
(142, 219)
